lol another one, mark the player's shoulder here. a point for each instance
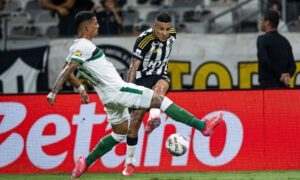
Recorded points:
(82, 48)
(145, 38)
(261, 37)
(146, 33)
(118, 10)
(84, 45)
(173, 32)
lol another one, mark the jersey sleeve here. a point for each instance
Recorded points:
(141, 47)
(81, 53)
(173, 32)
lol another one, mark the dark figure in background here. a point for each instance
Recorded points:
(66, 10)
(1, 4)
(282, 27)
(109, 18)
(276, 64)
(293, 10)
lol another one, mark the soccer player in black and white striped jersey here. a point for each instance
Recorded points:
(149, 68)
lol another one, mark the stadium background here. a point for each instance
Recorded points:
(210, 72)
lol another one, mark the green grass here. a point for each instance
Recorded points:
(240, 175)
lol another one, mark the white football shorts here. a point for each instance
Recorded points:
(131, 95)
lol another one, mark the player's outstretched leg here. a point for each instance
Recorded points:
(181, 115)
(80, 167)
(104, 145)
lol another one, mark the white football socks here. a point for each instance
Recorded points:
(154, 112)
(165, 103)
(130, 159)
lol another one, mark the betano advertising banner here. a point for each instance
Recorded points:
(260, 132)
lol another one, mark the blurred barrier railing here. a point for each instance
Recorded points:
(233, 11)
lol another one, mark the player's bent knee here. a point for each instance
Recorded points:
(156, 100)
(118, 137)
(161, 87)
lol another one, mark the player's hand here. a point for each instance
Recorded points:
(284, 75)
(51, 98)
(84, 97)
(285, 79)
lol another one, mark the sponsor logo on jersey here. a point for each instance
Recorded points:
(138, 53)
(78, 53)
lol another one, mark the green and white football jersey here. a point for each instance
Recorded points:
(96, 68)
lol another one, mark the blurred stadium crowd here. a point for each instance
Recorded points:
(53, 18)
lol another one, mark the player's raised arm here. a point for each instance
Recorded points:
(135, 64)
(63, 76)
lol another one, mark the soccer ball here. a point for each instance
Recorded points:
(177, 144)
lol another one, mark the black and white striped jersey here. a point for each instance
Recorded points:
(153, 53)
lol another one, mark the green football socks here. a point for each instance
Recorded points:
(104, 145)
(179, 114)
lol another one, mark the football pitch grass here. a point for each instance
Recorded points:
(236, 175)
